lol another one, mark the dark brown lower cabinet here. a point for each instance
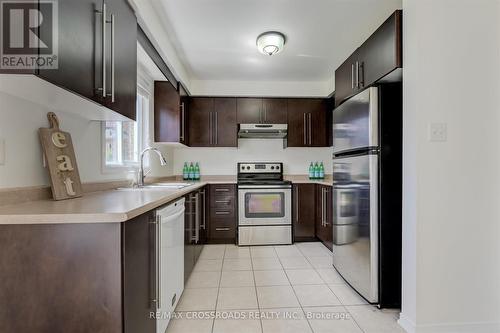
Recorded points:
(195, 229)
(223, 213)
(304, 212)
(61, 278)
(324, 215)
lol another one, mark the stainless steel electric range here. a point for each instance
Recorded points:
(264, 205)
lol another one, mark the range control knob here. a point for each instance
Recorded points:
(272, 167)
(277, 167)
(248, 167)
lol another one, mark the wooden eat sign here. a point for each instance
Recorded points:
(60, 156)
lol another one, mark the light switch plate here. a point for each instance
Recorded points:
(438, 132)
(2, 151)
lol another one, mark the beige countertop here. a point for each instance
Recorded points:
(304, 179)
(110, 206)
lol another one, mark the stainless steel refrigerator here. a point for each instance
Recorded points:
(367, 193)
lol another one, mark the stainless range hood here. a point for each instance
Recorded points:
(262, 131)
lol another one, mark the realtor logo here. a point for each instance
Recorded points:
(29, 34)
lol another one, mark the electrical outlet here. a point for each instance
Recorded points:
(438, 132)
(2, 151)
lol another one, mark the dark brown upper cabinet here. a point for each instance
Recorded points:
(212, 122)
(308, 123)
(168, 113)
(275, 110)
(249, 110)
(224, 125)
(80, 53)
(200, 121)
(374, 60)
(261, 110)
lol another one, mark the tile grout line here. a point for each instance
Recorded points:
(291, 286)
(218, 288)
(344, 306)
(255, 287)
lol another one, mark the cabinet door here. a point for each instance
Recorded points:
(297, 123)
(304, 211)
(184, 109)
(381, 53)
(167, 113)
(345, 79)
(318, 126)
(203, 232)
(249, 110)
(139, 273)
(200, 123)
(189, 248)
(77, 24)
(328, 241)
(125, 59)
(323, 215)
(226, 128)
(275, 110)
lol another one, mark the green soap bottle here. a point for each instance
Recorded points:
(185, 171)
(191, 171)
(311, 171)
(197, 171)
(316, 170)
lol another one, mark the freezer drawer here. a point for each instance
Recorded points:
(355, 122)
(265, 235)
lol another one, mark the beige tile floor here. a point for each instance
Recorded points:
(274, 289)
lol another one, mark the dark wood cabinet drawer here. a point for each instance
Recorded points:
(222, 190)
(222, 213)
(223, 202)
(222, 231)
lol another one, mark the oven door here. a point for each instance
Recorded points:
(264, 205)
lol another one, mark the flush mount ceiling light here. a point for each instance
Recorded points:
(270, 42)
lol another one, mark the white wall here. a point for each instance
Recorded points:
(262, 88)
(19, 123)
(222, 161)
(451, 224)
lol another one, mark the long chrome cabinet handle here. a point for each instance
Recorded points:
(211, 128)
(216, 127)
(305, 129)
(352, 76)
(112, 22)
(102, 12)
(297, 204)
(326, 206)
(310, 128)
(222, 213)
(222, 229)
(197, 217)
(221, 190)
(158, 256)
(183, 121)
(357, 74)
(204, 225)
(153, 263)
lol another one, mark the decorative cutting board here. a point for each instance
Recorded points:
(61, 162)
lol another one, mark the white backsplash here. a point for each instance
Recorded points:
(222, 161)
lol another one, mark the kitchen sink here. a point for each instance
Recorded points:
(156, 186)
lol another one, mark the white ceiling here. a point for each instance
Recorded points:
(215, 39)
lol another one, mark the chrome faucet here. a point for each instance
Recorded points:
(163, 162)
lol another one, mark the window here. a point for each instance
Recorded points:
(123, 141)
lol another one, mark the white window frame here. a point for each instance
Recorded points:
(142, 120)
